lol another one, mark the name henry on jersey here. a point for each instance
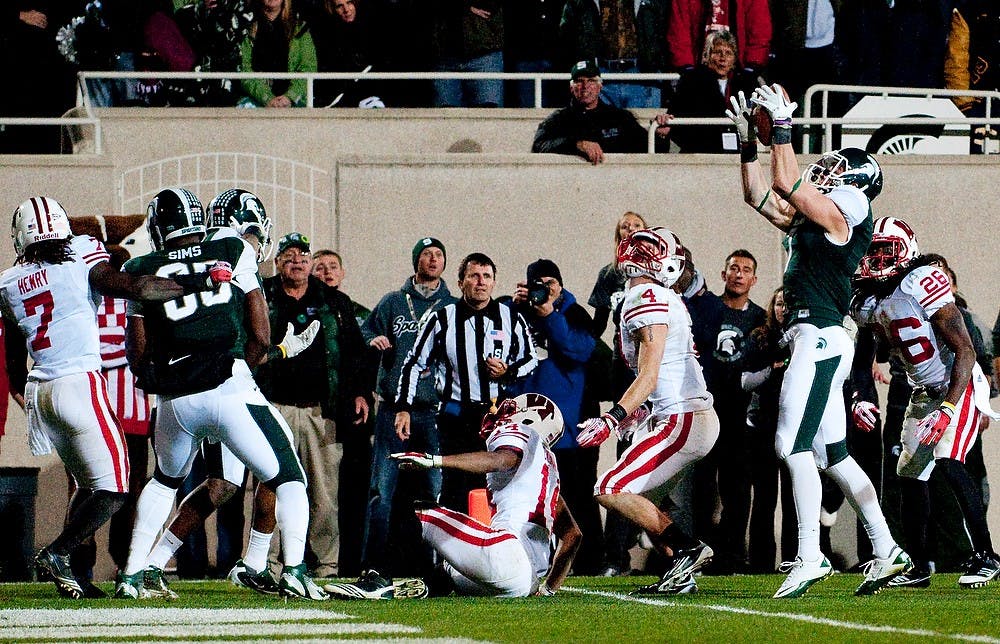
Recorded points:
(32, 281)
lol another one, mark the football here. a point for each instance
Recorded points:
(762, 122)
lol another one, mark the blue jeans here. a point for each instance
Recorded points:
(553, 92)
(631, 94)
(385, 475)
(470, 93)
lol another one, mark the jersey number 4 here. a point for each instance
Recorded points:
(44, 302)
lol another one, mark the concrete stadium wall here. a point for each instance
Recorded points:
(385, 180)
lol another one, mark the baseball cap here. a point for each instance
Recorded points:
(427, 242)
(296, 240)
(585, 68)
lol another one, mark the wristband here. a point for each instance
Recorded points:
(748, 152)
(763, 202)
(436, 460)
(276, 353)
(795, 186)
(950, 407)
(618, 412)
(782, 133)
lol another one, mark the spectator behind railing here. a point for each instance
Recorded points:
(531, 44)
(705, 91)
(346, 41)
(279, 41)
(625, 37)
(749, 20)
(468, 37)
(216, 28)
(970, 63)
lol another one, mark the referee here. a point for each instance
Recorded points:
(477, 348)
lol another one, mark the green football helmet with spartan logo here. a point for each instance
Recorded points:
(244, 212)
(174, 212)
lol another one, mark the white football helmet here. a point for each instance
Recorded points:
(893, 247)
(38, 219)
(661, 257)
(529, 410)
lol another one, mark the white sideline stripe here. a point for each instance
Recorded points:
(797, 617)
(381, 640)
(136, 615)
(146, 631)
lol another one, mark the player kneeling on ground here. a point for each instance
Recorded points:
(509, 557)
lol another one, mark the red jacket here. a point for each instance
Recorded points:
(686, 32)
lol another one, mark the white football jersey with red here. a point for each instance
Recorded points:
(903, 320)
(111, 317)
(55, 309)
(680, 385)
(525, 497)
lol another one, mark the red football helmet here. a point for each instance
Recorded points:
(652, 252)
(893, 247)
(530, 410)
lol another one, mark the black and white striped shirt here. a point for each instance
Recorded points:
(456, 341)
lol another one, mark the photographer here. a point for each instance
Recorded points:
(561, 329)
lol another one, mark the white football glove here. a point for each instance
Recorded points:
(596, 430)
(865, 415)
(416, 460)
(773, 100)
(740, 116)
(293, 344)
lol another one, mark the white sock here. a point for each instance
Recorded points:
(292, 513)
(257, 548)
(860, 493)
(151, 512)
(164, 550)
(807, 490)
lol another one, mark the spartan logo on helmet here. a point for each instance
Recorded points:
(172, 213)
(893, 247)
(38, 219)
(652, 252)
(848, 166)
(244, 212)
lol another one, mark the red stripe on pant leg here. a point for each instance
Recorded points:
(459, 532)
(623, 468)
(106, 429)
(964, 431)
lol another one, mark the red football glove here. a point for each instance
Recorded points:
(931, 428)
(865, 415)
(595, 431)
(220, 272)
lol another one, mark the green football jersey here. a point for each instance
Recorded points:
(199, 324)
(818, 274)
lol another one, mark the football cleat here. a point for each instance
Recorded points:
(880, 571)
(802, 575)
(296, 582)
(91, 591)
(259, 580)
(130, 586)
(686, 562)
(156, 585)
(410, 589)
(371, 585)
(684, 585)
(56, 567)
(915, 578)
(981, 568)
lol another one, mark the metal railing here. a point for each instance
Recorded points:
(825, 90)
(61, 121)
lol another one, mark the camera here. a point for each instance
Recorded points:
(538, 292)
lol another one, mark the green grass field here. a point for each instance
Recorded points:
(588, 609)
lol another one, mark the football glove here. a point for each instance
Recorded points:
(595, 431)
(865, 415)
(293, 344)
(220, 272)
(740, 116)
(772, 99)
(416, 460)
(931, 428)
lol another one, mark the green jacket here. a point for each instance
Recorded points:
(301, 58)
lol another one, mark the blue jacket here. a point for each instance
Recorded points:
(565, 334)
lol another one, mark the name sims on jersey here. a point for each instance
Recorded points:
(185, 253)
(32, 281)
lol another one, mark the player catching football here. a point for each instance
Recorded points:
(682, 427)
(905, 301)
(826, 213)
